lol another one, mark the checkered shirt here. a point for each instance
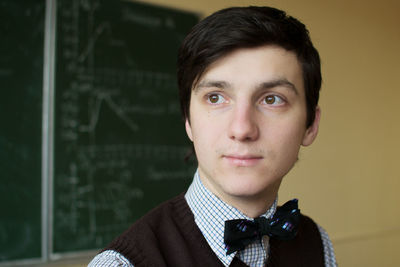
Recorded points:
(210, 214)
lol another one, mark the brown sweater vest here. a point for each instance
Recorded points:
(168, 236)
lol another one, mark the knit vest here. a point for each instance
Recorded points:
(169, 236)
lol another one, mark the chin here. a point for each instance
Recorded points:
(254, 184)
(247, 189)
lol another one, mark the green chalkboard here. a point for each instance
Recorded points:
(119, 137)
(21, 72)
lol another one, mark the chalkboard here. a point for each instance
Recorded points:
(21, 72)
(119, 137)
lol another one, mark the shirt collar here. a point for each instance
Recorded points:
(210, 214)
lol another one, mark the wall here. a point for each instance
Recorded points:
(348, 180)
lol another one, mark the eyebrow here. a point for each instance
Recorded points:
(211, 83)
(278, 82)
(262, 86)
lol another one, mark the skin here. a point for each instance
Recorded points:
(247, 124)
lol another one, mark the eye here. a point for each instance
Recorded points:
(273, 100)
(215, 98)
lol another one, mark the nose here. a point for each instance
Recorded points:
(243, 123)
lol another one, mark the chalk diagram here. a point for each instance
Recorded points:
(99, 120)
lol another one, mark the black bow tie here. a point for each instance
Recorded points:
(283, 225)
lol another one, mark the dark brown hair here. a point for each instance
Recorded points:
(247, 27)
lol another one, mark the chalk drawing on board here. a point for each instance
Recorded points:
(95, 112)
(118, 150)
(92, 41)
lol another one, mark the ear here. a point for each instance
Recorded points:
(312, 131)
(188, 129)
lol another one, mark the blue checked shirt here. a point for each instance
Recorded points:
(210, 214)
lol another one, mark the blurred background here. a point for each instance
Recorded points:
(348, 180)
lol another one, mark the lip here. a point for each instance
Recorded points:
(242, 160)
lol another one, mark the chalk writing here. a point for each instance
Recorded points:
(120, 141)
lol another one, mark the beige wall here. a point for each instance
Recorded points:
(349, 179)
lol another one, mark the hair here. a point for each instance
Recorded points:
(246, 27)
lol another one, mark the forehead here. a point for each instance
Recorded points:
(252, 66)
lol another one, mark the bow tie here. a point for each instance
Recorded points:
(283, 225)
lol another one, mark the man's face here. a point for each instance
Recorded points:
(248, 121)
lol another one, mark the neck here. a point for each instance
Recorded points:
(250, 205)
(254, 206)
(251, 208)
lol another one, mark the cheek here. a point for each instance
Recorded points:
(287, 139)
(204, 138)
(205, 130)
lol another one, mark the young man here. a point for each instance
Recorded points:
(249, 81)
